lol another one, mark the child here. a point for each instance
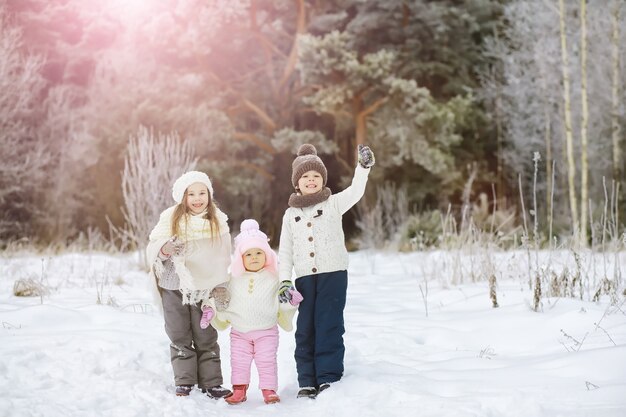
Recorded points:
(312, 243)
(254, 312)
(189, 252)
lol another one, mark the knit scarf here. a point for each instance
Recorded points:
(308, 200)
(192, 227)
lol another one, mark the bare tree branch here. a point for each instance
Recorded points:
(152, 164)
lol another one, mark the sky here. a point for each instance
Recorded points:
(67, 355)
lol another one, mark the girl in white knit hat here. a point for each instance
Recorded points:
(255, 313)
(189, 253)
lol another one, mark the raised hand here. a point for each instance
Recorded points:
(366, 156)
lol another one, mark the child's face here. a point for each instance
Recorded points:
(197, 197)
(310, 183)
(253, 259)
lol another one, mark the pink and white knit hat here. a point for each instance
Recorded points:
(251, 237)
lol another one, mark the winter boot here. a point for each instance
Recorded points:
(323, 386)
(207, 315)
(270, 396)
(217, 392)
(239, 394)
(307, 392)
(183, 390)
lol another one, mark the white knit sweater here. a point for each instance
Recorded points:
(312, 239)
(254, 304)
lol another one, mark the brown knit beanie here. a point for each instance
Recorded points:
(307, 160)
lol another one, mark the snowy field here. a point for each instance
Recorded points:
(67, 355)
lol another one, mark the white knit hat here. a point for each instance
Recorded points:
(188, 178)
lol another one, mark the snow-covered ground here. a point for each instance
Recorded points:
(70, 356)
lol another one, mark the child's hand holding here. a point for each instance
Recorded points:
(221, 295)
(207, 315)
(296, 297)
(288, 293)
(283, 291)
(366, 157)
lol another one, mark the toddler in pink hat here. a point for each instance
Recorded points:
(254, 313)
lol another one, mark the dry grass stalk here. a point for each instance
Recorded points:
(29, 287)
(537, 293)
(607, 287)
(492, 291)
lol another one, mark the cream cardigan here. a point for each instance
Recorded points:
(312, 239)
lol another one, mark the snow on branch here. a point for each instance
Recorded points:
(152, 164)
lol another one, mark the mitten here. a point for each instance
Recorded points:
(284, 291)
(221, 296)
(173, 247)
(366, 156)
(296, 297)
(207, 315)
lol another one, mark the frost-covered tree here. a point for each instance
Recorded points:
(529, 85)
(616, 86)
(23, 157)
(220, 74)
(567, 112)
(152, 164)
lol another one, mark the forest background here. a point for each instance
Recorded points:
(495, 118)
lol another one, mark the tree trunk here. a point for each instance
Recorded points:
(615, 127)
(584, 164)
(293, 55)
(360, 128)
(499, 140)
(548, 141)
(497, 71)
(360, 134)
(571, 163)
(361, 115)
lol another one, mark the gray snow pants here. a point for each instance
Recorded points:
(195, 354)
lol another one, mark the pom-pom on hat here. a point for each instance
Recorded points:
(251, 237)
(188, 178)
(307, 160)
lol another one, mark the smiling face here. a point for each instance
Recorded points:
(197, 198)
(253, 259)
(310, 182)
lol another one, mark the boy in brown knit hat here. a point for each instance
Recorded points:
(312, 243)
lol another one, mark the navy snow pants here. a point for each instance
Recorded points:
(320, 328)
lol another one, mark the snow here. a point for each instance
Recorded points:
(70, 356)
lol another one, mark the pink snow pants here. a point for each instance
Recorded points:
(260, 345)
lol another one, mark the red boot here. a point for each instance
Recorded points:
(239, 395)
(270, 396)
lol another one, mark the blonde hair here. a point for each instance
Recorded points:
(182, 210)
